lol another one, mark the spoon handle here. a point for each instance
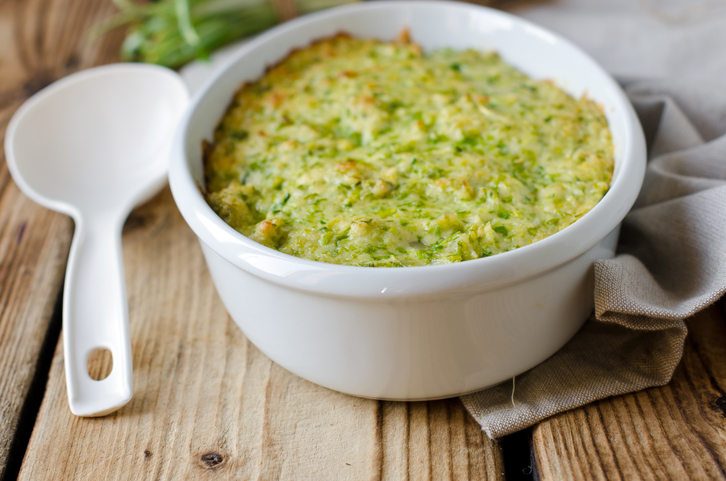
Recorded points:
(95, 316)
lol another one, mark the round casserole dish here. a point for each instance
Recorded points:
(412, 333)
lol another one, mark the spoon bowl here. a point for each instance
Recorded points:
(99, 133)
(93, 146)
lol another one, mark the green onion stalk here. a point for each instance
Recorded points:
(175, 32)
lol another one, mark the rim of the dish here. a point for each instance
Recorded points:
(380, 283)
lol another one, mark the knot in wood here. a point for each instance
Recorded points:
(40, 81)
(140, 220)
(720, 403)
(211, 460)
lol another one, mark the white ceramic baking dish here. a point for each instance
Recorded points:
(416, 332)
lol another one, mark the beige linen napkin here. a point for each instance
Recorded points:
(671, 258)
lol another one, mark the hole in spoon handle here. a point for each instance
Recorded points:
(95, 314)
(99, 364)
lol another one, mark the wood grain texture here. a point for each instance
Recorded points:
(41, 42)
(208, 405)
(677, 431)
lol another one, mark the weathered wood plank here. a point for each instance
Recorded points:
(33, 249)
(407, 430)
(42, 41)
(209, 405)
(677, 431)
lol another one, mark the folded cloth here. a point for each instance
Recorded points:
(671, 259)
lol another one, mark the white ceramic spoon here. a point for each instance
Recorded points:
(94, 145)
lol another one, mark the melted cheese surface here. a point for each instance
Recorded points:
(365, 153)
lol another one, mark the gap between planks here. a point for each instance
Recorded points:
(36, 392)
(677, 431)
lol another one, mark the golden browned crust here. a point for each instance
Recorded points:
(208, 146)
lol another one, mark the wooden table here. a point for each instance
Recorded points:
(208, 405)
